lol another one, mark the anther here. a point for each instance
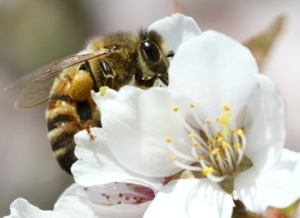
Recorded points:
(240, 132)
(195, 144)
(207, 170)
(168, 139)
(226, 106)
(175, 108)
(208, 121)
(192, 135)
(192, 105)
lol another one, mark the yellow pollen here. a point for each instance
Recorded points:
(209, 142)
(237, 146)
(240, 132)
(103, 90)
(192, 135)
(174, 157)
(207, 170)
(192, 105)
(208, 121)
(168, 139)
(232, 131)
(175, 108)
(195, 144)
(226, 107)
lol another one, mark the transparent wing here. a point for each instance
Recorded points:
(34, 93)
(38, 83)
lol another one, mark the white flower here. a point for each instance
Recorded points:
(241, 155)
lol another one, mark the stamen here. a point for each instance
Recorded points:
(178, 153)
(185, 166)
(218, 155)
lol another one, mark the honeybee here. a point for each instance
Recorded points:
(114, 60)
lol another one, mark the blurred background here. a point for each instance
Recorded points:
(35, 32)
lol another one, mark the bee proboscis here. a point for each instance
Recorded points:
(115, 60)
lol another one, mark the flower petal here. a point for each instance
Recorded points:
(110, 194)
(77, 207)
(277, 187)
(265, 125)
(21, 208)
(176, 30)
(136, 124)
(213, 69)
(96, 164)
(191, 198)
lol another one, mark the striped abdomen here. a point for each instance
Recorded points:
(65, 117)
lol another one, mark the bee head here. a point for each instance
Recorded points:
(154, 56)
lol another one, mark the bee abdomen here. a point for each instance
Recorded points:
(63, 123)
(63, 145)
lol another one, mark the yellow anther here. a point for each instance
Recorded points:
(168, 139)
(192, 105)
(232, 131)
(174, 157)
(215, 151)
(175, 108)
(192, 135)
(237, 146)
(223, 146)
(240, 132)
(103, 90)
(219, 138)
(208, 121)
(200, 157)
(195, 144)
(226, 107)
(209, 142)
(207, 170)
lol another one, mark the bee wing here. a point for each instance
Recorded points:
(38, 83)
(34, 93)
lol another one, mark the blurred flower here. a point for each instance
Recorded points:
(127, 171)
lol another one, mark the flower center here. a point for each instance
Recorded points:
(218, 156)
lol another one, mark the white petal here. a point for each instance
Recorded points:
(213, 69)
(265, 125)
(277, 187)
(77, 207)
(176, 30)
(191, 198)
(96, 165)
(21, 208)
(136, 124)
(110, 194)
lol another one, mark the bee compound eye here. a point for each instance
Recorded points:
(151, 51)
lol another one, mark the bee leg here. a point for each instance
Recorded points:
(88, 126)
